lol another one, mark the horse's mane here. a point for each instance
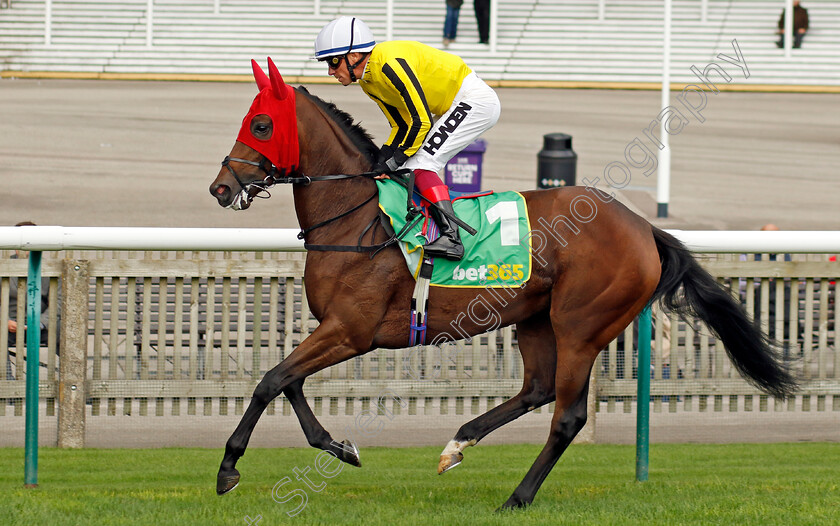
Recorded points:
(358, 135)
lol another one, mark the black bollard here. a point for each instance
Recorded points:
(556, 162)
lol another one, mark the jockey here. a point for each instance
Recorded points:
(413, 84)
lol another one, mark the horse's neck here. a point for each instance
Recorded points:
(326, 150)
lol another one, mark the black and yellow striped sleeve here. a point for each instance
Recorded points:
(410, 124)
(399, 127)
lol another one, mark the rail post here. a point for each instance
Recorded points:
(643, 398)
(33, 344)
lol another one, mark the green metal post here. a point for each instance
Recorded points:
(643, 398)
(33, 343)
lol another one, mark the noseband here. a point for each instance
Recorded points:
(274, 176)
(271, 178)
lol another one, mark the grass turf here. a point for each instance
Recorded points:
(767, 484)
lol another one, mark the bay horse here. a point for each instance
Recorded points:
(596, 266)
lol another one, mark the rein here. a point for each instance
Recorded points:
(402, 176)
(272, 178)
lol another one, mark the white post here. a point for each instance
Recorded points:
(704, 11)
(602, 10)
(217, 7)
(149, 21)
(389, 20)
(48, 23)
(788, 27)
(663, 180)
(317, 7)
(494, 25)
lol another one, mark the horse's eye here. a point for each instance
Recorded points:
(261, 128)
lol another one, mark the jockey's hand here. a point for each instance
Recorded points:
(381, 167)
(388, 161)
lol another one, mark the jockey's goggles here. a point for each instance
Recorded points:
(333, 61)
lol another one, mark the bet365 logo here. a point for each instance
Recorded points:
(485, 273)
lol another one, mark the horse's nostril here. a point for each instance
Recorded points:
(221, 190)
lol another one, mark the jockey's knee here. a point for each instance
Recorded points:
(426, 179)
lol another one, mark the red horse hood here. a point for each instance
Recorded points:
(277, 100)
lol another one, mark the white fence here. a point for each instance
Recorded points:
(166, 332)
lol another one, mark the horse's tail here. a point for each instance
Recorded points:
(758, 358)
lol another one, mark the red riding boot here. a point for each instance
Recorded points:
(448, 245)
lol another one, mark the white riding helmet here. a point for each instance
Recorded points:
(343, 35)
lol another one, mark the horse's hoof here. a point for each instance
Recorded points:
(448, 462)
(226, 481)
(350, 454)
(513, 503)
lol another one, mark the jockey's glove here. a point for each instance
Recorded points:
(389, 159)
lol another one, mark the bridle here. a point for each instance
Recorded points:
(271, 178)
(402, 176)
(274, 176)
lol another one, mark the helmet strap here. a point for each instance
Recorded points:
(351, 68)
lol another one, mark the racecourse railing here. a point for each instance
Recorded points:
(792, 298)
(192, 332)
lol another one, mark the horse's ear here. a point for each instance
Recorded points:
(278, 86)
(259, 76)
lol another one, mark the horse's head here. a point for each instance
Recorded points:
(266, 148)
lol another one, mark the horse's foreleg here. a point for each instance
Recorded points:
(323, 348)
(228, 477)
(539, 356)
(315, 433)
(569, 418)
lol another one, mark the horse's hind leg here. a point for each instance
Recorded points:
(539, 356)
(315, 433)
(569, 418)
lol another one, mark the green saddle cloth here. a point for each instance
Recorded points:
(499, 255)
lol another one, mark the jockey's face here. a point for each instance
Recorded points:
(340, 71)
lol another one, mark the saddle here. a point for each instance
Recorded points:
(498, 255)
